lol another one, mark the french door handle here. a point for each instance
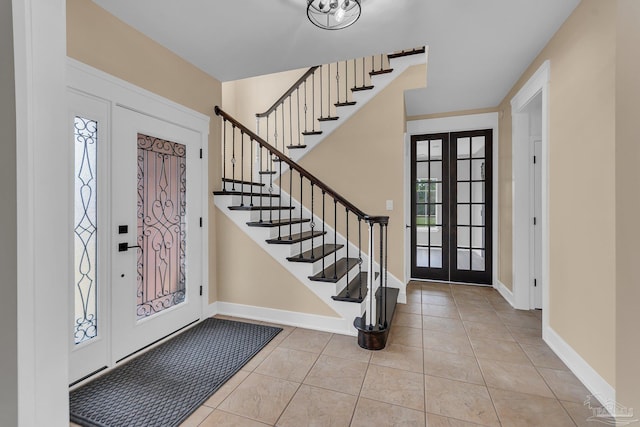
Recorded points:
(407, 226)
(124, 247)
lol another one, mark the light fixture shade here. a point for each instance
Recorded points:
(333, 14)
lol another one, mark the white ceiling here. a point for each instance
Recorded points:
(477, 48)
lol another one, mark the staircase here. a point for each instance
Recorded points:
(315, 233)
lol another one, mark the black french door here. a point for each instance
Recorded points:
(451, 202)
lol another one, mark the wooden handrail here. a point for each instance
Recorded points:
(303, 172)
(289, 91)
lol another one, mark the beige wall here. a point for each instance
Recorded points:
(581, 182)
(248, 275)
(627, 205)
(8, 236)
(101, 40)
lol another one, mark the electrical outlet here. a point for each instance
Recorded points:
(389, 205)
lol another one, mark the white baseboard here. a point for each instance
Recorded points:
(284, 317)
(504, 291)
(210, 310)
(597, 385)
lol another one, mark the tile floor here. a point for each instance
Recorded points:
(456, 356)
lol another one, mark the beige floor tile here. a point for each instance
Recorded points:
(494, 331)
(371, 413)
(399, 357)
(197, 417)
(526, 335)
(463, 401)
(565, 385)
(514, 377)
(434, 420)
(476, 314)
(443, 324)
(312, 406)
(347, 347)
(403, 335)
(337, 374)
(224, 419)
(580, 413)
(410, 307)
(394, 386)
(307, 340)
(518, 409)
(499, 350)
(452, 366)
(450, 311)
(260, 398)
(288, 364)
(286, 331)
(436, 286)
(522, 319)
(475, 302)
(258, 358)
(543, 357)
(410, 320)
(226, 389)
(438, 299)
(441, 341)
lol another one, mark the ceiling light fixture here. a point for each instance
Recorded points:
(333, 14)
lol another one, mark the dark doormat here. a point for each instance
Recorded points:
(165, 385)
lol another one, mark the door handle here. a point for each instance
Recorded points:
(124, 247)
(407, 226)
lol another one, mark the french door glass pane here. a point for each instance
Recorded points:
(161, 225)
(85, 229)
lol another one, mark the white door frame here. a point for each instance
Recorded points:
(441, 125)
(522, 207)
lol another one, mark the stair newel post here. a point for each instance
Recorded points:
(301, 206)
(383, 291)
(242, 169)
(312, 225)
(360, 258)
(371, 294)
(386, 271)
(233, 157)
(279, 200)
(323, 232)
(346, 210)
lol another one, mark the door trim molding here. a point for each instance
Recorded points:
(455, 124)
(537, 84)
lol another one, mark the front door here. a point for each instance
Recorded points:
(137, 203)
(451, 206)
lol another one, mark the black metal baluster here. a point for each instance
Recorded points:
(312, 225)
(269, 157)
(242, 168)
(290, 122)
(270, 191)
(360, 257)
(355, 74)
(224, 153)
(305, 106)
(290, 201)
(280, 202)
(313, 101)
(381, 62)
(233, 158)
(323, 233)
(301, 216)
(335, 237)
(337, 82)
(386, 270)
(346, 81)
(363, 67)
(284, 132)
(261, 185)
(251, 170)
(373, 62)
(346, 210)
(275, 132)
(382, 291)
(298, 110)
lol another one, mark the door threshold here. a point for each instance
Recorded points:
(450, 282)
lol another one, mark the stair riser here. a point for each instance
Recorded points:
(229, 186)
(236, 200)
(284, 230)
(306, 245)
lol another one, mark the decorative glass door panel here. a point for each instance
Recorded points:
(161, 225)
(451, 207)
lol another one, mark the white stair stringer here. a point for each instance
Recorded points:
(379, 82)
(347, 311)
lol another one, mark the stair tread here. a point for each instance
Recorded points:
(354, 295)
(293, 147)
(317, 252)
(277, 222)
(344, 104)
(359, 88)
(240, 193)
(237, 181)
(261, 208)
(406, 53)
(312, 132)
(336, 271)
(378, 72)
(328, 118)
(295, 238)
